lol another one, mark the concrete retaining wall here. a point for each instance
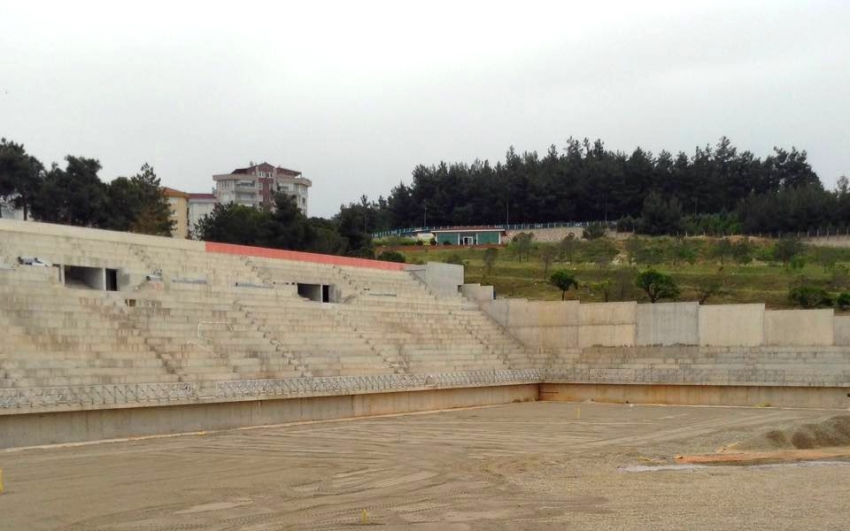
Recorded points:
(610, 324)
(799, 328)
(731, 325)
(841, 330)
(90, 425)
(698, 395)
(442, 279)
(668, 324)
(540, 326)
(556, 325)
(477, 292)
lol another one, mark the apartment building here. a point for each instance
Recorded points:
(199, 206)
(178, 202)
(256, 186)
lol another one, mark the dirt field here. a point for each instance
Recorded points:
(518, 466)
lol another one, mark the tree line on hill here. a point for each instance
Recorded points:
(75, 195)
(285, 227)
(718, 189)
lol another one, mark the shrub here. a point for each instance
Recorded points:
(490, 256)
(840, 278)
(809, 297)
(645, 251)
(563, 280)
(657, 285)
(627, 224)
(742, 251)
(624, 283)
(682, 251)
(708, 287)
(521, 245)
(786, 249)
(722, 250)
(547, 253)
(603, 288)
(798, 262)
(843, 301)
(454, 258)
(599, 251)
(420, 243)
(392, 256)
(594, 231)
(568, 247)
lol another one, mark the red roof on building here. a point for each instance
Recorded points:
(265, 166)
(202, 196)
(171, 192)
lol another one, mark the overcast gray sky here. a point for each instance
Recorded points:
(355, 94)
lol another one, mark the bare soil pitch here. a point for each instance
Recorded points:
(519, 466)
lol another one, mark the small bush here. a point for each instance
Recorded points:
(392, 256)
(809, 297)
(490, 256)
(594, 231)
(843, 301)
(742, 251)
(454, 258)
(420, 243)
(447, 242)
(786, 249)
(798, 262)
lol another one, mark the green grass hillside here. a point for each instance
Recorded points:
(720, 271)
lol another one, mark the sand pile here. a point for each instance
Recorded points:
(834, 431)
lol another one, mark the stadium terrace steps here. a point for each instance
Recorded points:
(208, 317)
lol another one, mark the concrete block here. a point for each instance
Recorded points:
(731, 325)
(668, 324)
(799, 328)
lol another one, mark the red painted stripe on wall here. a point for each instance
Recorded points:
(247, 250)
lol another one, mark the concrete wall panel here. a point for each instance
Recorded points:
(443, 279)
(799, 328)
(557, 313)
(607, 313)
(622, 335)
(731, 325)
(842, 330)
(814, 397)
(668, 324)
(498, 309)
(609, 324)
(538, 324)
(477, 292)
(91, 425)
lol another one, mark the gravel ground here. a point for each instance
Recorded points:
(518, 466)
